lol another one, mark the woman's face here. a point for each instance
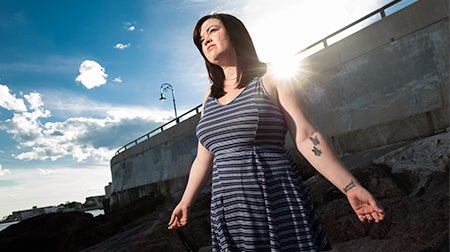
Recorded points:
(216, 45)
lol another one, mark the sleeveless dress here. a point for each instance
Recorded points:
(258, 200)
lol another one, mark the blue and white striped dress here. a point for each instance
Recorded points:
(258, 200)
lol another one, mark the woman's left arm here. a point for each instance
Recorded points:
(315, 148)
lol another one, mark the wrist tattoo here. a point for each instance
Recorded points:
(349, 186)
(315, 141)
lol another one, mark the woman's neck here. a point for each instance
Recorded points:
(231, 76)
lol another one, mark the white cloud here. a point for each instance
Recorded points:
(93, 136)
(35, 101)
(121, 46)
(26, 126)
(92, 74)
(9, 101)
(118, 79)
(4, 172)
(129, 26)
(46, 172)
(55, 140)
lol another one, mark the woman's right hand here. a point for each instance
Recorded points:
(179, 216)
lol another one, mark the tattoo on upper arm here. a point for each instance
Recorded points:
(349, 186)
(315, 141)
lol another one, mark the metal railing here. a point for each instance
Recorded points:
(380, 11)
(159, 129)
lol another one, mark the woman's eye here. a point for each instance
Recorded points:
(212, 29)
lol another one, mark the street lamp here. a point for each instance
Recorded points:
(164, 88)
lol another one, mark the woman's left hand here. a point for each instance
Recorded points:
(365, 205)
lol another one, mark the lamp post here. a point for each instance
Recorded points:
(164, 88)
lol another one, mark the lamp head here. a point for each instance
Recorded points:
(162, 98)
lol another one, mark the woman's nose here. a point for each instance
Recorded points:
(206, 40)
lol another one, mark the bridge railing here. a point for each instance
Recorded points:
(322, 43)
(161, 128)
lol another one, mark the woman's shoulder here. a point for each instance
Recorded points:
(206, 95)
(278, 88)
(269, 84)
(205, 98)
(268, 80)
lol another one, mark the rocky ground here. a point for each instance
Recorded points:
(411, 181)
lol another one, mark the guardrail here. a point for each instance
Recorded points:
(380, 11)
(159, 129)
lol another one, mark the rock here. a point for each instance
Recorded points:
(375, 178)
(48, 232)
(413, 163)
(150, 232)
(412, 223)
(73, 231)
(411, 182)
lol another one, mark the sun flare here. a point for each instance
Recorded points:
(286, 67)
(285, 29)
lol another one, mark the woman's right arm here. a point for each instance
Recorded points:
(198, 176)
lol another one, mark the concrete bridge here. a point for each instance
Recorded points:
(384, 84)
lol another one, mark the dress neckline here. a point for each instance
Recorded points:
(232, 100)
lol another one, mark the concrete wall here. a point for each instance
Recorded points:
(384, 84)
(167, 156)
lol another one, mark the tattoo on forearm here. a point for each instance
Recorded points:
(315, 141)
(316, 151)
(349, 186)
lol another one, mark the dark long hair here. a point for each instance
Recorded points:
(248, 63)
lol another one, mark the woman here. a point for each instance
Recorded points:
(258, 201)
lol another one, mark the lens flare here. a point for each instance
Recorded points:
(285, 67)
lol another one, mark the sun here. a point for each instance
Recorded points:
(284, 67)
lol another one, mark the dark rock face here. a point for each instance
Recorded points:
(412, 187)
(70, 231)
(49, 232)
(412, 223)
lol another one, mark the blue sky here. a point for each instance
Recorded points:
(79, 79)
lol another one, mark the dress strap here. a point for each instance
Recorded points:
(260, 89)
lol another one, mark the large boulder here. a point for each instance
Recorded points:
(48, 232)
(411, 182)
